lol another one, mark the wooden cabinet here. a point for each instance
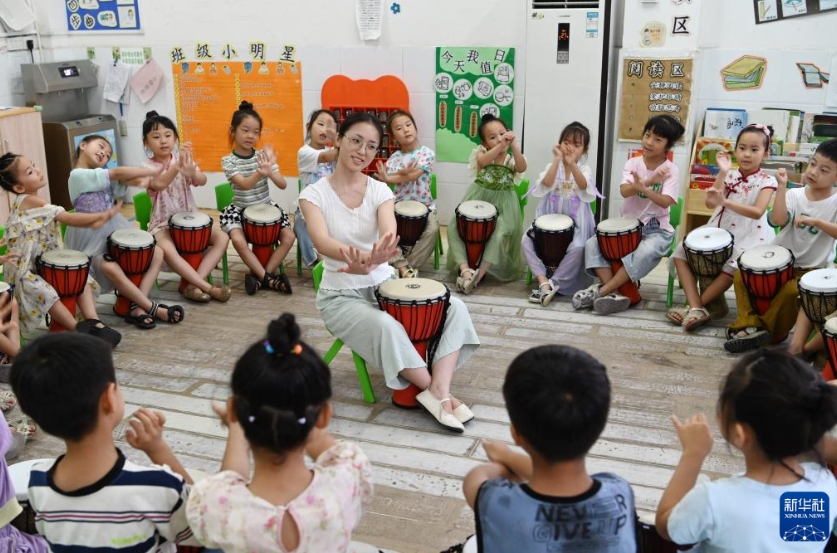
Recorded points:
(21, 132)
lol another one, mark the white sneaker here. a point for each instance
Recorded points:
(583, 299)
(611, 303)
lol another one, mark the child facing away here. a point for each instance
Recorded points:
(316, 160)
(775, 409)
(567, 188)
(171, 193)
(280, 408)
(409, 170)
(740, 198)
(91, 496)
(33, 229)
(650, 185)
(808, 217)
(558, 399)
(91, 191)
(496, 165)
(249, 171)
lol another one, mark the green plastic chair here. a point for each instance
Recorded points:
(674, 219)
(142, 209)
(360, 364)
(298, 249)
(223, 198)
(520, 189)
(438, 250)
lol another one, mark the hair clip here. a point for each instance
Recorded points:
(267, 347)
(251, 419)
(297, 349)
(302, 420)
(761, 127)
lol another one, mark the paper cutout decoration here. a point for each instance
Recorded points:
(147, 81)
(812, 75)
(745, 73)
(653, 35)
(116, 81)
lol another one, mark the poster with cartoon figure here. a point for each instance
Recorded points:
(102, 15)
(469, 83)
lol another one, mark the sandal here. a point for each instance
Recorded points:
(144, 320)
(696, 317)
(25, 426)
(466, 281)
(174, 313)
(752, 338)
(678, 314)
(196, 295)
(281, 283)
(407, 272)
(91, 327)
(548, 293)
(7, 400)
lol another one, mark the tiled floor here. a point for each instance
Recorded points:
(655, 370)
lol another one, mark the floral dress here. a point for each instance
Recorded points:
(176, 198)
(30, 233)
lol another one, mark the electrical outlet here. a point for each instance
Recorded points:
(17, 43)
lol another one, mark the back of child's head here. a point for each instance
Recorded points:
(575, 131)
(484, 122)
(154, 121)
(764, 132)
(245, 110)
(8, 171)
(828, 149)
(90, 138)
(558, 398)
(357, 118)
(280, 386)
(59, 380)
(665, 126)
(314, 116)
(785, 402)
(399, 113)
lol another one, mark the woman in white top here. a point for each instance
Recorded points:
(351, 220)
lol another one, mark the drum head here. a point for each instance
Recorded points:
(19, 473)
(477, 209)
(819, 280)
(708, 239)
(616, 225)
(190, 219)
(131, 238)
(554, 222)
(831, 326)
(65, 258)
(4, 286)
(412, 289)
(411, 208)
(763, 258)
(262, 213)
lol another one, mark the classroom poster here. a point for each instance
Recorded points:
(653, 87)
(469, 83)
(207, 93)
(776, 10)
(102, 15)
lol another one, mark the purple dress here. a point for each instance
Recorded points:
(12, 539)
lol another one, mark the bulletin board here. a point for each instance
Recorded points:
(777, 10)
(208, 93)
(653, 87)
(92, 15)
(469, 83)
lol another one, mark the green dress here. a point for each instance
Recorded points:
(494, 184)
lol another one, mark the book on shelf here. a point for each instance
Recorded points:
(723, 122)
(702, 176)
(778, 119)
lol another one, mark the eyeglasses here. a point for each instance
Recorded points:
(357, 143)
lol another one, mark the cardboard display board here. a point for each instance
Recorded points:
(208, 93)
(776, 10)
(653, 87)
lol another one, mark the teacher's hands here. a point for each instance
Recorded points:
(363, 263)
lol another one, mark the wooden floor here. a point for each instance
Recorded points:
(655, 370)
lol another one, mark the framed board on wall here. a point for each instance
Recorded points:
(776, 10)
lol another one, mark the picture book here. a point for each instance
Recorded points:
(724, 123)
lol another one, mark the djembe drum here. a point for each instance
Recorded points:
(262, 225)
(818, 294)
(133, 250)
(617, 238)
(552, 234)
(707, 251)
(475, 221)
(420, 305)
(19, 476)
(190, 232)
(411, 220)
(764, 270)
(66, 271)
(829, 340)
(649, 541)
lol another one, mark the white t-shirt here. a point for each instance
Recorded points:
(310, 168)
(356, 227)
(738, 514)
(812, 248)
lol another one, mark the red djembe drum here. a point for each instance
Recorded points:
(410, 220)
(66, 271)
(552, 234)
(475, 221)
(420, 305)
(764, 270)
(262, 224)
(618, 237)
(133, 250)
(190, 233)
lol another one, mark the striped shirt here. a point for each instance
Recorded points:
(235, 164)
(132, 509)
